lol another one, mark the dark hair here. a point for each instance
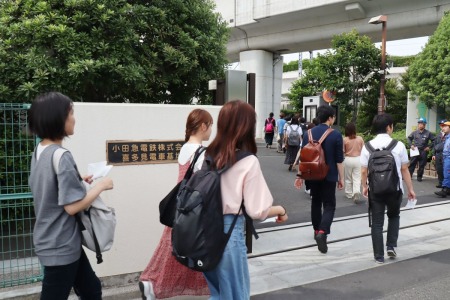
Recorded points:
(324, 112)
(48, 114)
(350, 130)
(271, 115)
(281, 115)
(316, 121)
(310, 125)
(235, 130)
(380, 122)
(195, 120)
(302, 120)
(294, 121)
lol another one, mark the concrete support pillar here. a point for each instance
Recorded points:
(268, 70)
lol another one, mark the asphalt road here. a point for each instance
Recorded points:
(298, 203)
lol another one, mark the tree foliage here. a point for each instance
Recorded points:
(159, 51)
(350, 68)
(429, 72)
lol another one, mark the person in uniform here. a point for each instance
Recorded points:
(420, 139)
(437, 153)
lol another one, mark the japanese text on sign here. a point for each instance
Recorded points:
(142, 152)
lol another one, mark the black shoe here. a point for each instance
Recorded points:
(290, 168)
(443, 193)
(439, 186)
(419, 179)
(321, 240)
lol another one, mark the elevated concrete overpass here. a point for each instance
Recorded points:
(261, 30)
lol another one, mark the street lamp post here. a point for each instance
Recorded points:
(383, 20)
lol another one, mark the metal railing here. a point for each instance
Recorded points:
(19, 264)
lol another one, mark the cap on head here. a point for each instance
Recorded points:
(422, 120)
(442, 122)
(446, 123)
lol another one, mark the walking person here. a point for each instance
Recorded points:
(383, 126)
(164, 276)
(352, 166)
(292, 140)
(446, 159)
(243, 180)
(420, 139)
(437, 157)
(58, 197)
(323, 192)
(280, 128)
(269, 130)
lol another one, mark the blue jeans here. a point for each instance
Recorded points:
(59, 280)
(231, 278)
(377, 205)
(323, 194)
(446, 181)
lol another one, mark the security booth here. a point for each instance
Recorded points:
(312, 103)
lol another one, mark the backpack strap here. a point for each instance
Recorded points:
(325, 134)
(391, 145)
(197, 154)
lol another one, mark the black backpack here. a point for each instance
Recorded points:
(383, 175)
(198, 238)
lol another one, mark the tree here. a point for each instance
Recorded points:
(350, 69)
(429, 72)
(160, 51)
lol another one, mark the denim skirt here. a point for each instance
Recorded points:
(231, 279)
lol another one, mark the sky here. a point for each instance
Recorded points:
(397, 48)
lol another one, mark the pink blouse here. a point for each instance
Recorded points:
(245, 180)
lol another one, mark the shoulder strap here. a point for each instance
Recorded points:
(369, 147)
(197, 154)
(57, 158)
(392, 145)
(325, 134)
(310, 138)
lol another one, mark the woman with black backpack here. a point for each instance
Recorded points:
(230, 279)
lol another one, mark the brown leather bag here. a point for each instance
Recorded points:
(312, 158)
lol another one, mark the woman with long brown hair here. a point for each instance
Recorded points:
(353, 145)
(243, 180)
(164, 276)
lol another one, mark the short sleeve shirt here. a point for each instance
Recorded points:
(399, 152)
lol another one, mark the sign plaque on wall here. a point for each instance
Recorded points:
(124, 152)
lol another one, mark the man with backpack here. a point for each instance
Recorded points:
(323, 191)
(384, 163)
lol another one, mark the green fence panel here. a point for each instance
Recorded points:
(19, 262)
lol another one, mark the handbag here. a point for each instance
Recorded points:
(168, 204)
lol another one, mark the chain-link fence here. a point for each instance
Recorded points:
(18, 261)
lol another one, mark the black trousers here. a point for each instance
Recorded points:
(440, 167)
(59, 280)
(323, 197)
(422, 160)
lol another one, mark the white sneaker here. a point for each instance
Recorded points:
(307, 192)
(146, 288)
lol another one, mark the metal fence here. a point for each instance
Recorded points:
(18, 260)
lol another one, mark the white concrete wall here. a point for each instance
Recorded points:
(417, 109)
(137, 188)
(268, 91)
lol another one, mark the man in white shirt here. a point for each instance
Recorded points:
(383, 126)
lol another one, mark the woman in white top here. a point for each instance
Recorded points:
(244, 180)
(164, 276)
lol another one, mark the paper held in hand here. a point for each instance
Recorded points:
(99, 169)
(411, 203)
(414, 152)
